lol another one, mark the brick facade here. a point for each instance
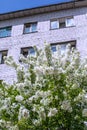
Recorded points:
(44, 34)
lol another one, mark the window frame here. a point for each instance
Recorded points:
(53, 21)
(59, 19)
(60, 22)
(68, 19)
(72, 43)
(6, 30)
(28, 48)
(1, 58)
(27, 24)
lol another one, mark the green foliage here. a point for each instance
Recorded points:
(50, 92)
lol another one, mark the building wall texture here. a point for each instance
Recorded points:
(18, 40)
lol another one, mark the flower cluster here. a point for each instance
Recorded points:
(50, 92)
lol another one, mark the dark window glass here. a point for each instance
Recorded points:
(28, 51)
(53, 48)
(62, 23)
(2, 54)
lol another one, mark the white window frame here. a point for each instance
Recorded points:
(57, 22)
(70, 24)
(30, 25)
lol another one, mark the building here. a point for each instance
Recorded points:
(61, 23)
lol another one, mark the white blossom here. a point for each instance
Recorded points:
(47, 85)
(52, 112)
(65, 105)
(84, 113)
(19, 98)
(45, 101)
(23, 112)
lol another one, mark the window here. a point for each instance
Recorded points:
(30, 27)
(62, 46)
(62, 22)
(54, 24)
(69, 22)
(2, 54)
(5, 32)
(28, 51)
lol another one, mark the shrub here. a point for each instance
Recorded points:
(50, 92)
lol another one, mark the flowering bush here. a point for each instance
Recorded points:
(50, 92)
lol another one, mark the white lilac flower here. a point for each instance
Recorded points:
(65, 93)
(42, 94)
(7, 101)
(85, 122)
(27, 82)
(20, 69)
(19, 85)
(47, 93)
(36, 122)
(41, 113)
(32, 98)
(27, 75)
(52, 112)
(1, 92)
(45, 101)
(13, 128)
(76, 117)
(23, 112)
(84, 112)
(14, 105)
(49, 70)
(19, 98)
(39, 70)
(80, 97)
(2, 123)
(39, 93)
(74, 86)
(56, 97)
(8, 124)
(65, 105)
(86, 95)
(85, 98)
(35, 108)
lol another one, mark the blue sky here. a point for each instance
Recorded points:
(13, 5)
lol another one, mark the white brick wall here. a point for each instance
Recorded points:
(14, 43)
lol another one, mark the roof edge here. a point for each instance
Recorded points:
(43, 9)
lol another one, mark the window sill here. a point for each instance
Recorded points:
(54, 29)
(62, 28)
(5, 37)
(30, 32)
